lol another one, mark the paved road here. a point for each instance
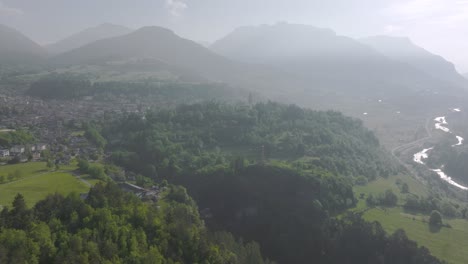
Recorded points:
(84, 181)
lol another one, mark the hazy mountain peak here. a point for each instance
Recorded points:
(151, 43)
(17, 48)
(284, 27)
(283, 40)
(102, 31)
(153, 31)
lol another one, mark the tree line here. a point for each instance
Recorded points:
(111, 226)
(70, 86)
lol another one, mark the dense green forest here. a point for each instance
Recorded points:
(276, 174)
(111, 226)
(269, 181)
(189, 137)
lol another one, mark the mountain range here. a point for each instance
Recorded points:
(342, 73)
(289, 62)
(327, 59)
(154, 44)
(87, 36)
(162, 50)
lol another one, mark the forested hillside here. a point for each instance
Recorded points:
(111, 226)
(270, 173)
(273, 174)
(177, 138)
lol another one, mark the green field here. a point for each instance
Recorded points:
(382, 184)
(38, 182)
(448, 244)
(25, 169)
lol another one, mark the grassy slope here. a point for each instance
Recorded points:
(449, 244)
(38, 182)
(26, 169)
(381, 185)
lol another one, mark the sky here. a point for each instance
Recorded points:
(440, 26)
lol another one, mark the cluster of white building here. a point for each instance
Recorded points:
(18, 150)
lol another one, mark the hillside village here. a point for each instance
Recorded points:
(54, 124)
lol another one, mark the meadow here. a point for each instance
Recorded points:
(37, 182)
(448, 244)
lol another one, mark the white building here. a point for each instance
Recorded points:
(17, 150)
(41, 147)
(4, 152)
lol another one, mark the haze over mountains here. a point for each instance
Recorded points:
(402, 49)
(324, 58)
(154, 44)
(294, 62)
(87, 36)
(160, 49)
(15, 48)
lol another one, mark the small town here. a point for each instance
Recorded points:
(52, 123)
(55, 138)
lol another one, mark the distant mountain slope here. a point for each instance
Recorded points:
(166, 51)
(149, 44)
(466, 75)
(15, 48)
(289, 63)
(87, 36)
(271, 43)
(325, 59)
(402, 49)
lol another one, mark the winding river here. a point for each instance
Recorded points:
(418, 157)
(441, 124)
